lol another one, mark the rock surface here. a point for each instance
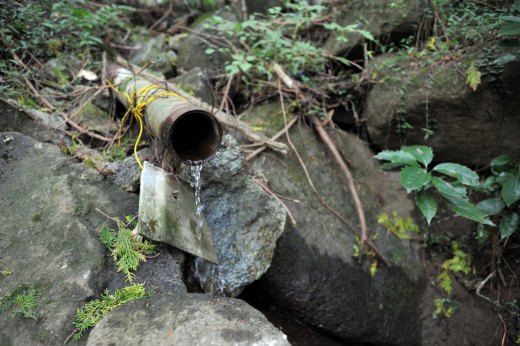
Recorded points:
(313, 275)
(469, 127)
(185, 320)
(383, 19)
(155, 50)
(244, 220)
(48, 235)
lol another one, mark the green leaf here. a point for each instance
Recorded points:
(391, 165)
(489, 182)
(516, 6)
(397, 156)
(343, 61)
(366, 34)
(509, 224)
(463, 207)
(421, 153)
(473, 76)
(209, 51)
(501, 163)
(427, 205)
(491, 206)
(462, 173)
(448, 190)
(413, 178)
(510, 27)
(511, 189)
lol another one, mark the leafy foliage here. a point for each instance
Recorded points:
(400, 227)
(280, 37)
(460, 262)
(95, 310)
(108, 237)
(473, 76)
(22, 301)
(451, 183)
(444, 307)
(128, 251)
(444, 281)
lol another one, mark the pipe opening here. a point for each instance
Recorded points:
(195, 137)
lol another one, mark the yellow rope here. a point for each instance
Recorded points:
(137, 102)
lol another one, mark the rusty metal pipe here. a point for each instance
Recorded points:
(192, 134)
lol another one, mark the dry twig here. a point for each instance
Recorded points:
(275, 196)
(350, 180)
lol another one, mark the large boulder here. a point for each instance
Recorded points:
(191, 53)
(245, 222)
(48, 238)
(313, 275)
(387, 20)
(185, 320)
(469, 127)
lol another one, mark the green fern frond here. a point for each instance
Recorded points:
(88, 316)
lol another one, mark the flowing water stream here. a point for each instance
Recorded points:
(196, 183)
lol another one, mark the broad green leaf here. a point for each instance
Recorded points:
(489, 182)
(511, 189)
(512, 19)
(491, 206)
(509, 224)
(463, 207)
(517, 5)
(421, 153)
(503, 177)
(473, 76)
(344, 61)
(366, 34)
(427, 205)
(448, 190)
(504, 59)
(413, 178)
(510, 26)
(397, 156)
(462, 173)
(391, 165)
(500, 164)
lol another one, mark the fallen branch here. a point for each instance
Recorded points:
(274, 138)
(350, 180)
(83, 131)
(275, 196)
(224, 118)
(35, 92)
(313, 187)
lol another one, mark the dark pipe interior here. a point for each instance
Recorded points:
(195, 137)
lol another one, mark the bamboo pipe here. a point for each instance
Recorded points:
(191, 133)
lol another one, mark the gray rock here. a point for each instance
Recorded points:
(469, 127)
(48, 239)
(192, 52)
(13, 118)
(381, 18)
(127, 173)
(185, 320)
(196, 83)
(254, 6)
(244, 220)
(162, 273)
(313, 275)
(153, 50)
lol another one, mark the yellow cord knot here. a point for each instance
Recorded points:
(137, 102)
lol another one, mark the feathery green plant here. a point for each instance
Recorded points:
(22, 301)
(95, 310)
(128, 251)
